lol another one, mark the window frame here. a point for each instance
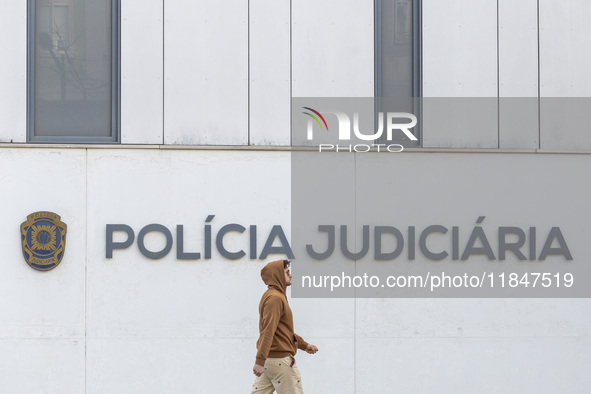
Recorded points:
(115, 137)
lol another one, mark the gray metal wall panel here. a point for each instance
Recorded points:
(565, 40)
(332, 48)
(460, 60)
(13, 95)
(460, 122)
(565, 61)
(270, 74)
(460, 48)
(206, 72)
(518, 74)
(142, 92)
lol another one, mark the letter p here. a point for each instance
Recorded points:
(112, 245)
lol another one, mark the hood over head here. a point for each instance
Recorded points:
(273, 275)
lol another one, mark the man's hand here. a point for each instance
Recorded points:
(258, 369)
(311, 349)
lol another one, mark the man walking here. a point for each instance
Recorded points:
(275, 366)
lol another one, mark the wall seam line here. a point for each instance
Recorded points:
(355, 290)
(163, 68)
(498, 77)
(248, 74)
(86, 274)
(290, 71)
(539, 80)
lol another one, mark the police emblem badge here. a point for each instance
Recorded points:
(43, 238)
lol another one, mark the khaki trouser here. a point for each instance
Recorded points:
(279, 375)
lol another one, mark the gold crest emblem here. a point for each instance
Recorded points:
(43, 238)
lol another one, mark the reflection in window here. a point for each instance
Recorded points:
(397, 57)
(53, 29)
(403, 25)
(397, 68)
(73, 68)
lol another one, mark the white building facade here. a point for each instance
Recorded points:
(198, 119)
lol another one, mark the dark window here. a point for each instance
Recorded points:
(398, 66)
(73, 75)
(398, 59)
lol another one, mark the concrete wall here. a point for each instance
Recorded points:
(193, 73)
(131, 324)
